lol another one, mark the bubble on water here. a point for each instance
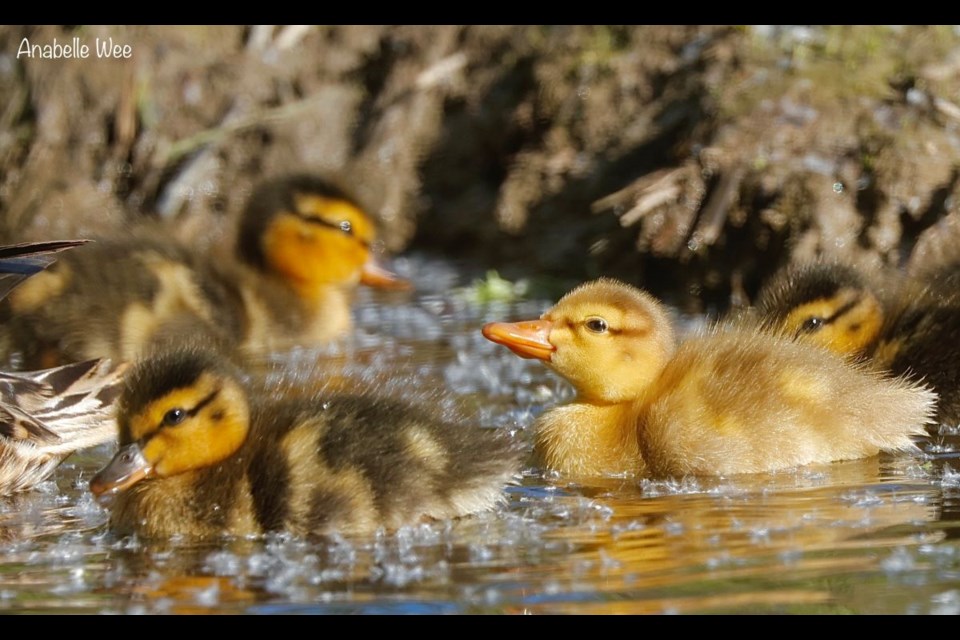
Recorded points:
(718, 561)
(224, 563)
(760, 536)
(946, 603)
(208, 597)
(480, 553)
(899, 560)
(674, 528)
(949, 477)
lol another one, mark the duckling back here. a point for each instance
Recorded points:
(113, 299)
(366, 462)
(922, 341)
(737, 401)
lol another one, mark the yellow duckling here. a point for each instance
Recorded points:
(204, 452)
(47, 415)
(728, 401)
(907, 326)
(302, 247)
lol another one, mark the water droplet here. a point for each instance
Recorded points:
(326, 405)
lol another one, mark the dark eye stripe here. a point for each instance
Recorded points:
(187, 412)
(200, 405)
(817, 323)
(842, 310)
(343, 227)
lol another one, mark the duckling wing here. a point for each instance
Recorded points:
(20, 261)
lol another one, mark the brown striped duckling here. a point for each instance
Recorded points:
(206, 452)
(723, 402)
(303, 245)
(909, 326)
(47, 415)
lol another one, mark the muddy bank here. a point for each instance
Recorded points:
(692, 160)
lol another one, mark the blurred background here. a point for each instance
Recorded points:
(691, 160)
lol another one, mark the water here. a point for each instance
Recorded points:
(868, 537)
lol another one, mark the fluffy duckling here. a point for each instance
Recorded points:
(47, 415)
(205, 452)
(727, 401)
(302, 247)
(906, 325)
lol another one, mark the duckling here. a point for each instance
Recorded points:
(909, 326)
(205, 451)
(828, 303)
(302, 247)
(729, 400)
(47, 415)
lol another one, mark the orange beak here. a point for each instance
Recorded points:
(527, 339)
(127, 468)
(374, 275)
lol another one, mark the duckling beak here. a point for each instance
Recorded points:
(127, 468)
(374, 275)
(527, 339)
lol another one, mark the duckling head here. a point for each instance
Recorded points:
(179, 411)
(826, 304)
(313, 235)
(608, 339)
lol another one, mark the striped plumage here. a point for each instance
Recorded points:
(47, 415)
(205, 452)
(302, 246)
(906, 324)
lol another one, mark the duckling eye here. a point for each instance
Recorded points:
(811, 324)
(596, 325)
(174, 417)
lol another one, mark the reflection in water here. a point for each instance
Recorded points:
(718, 545)
(870, 536)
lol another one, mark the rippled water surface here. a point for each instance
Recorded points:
(872, 536)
